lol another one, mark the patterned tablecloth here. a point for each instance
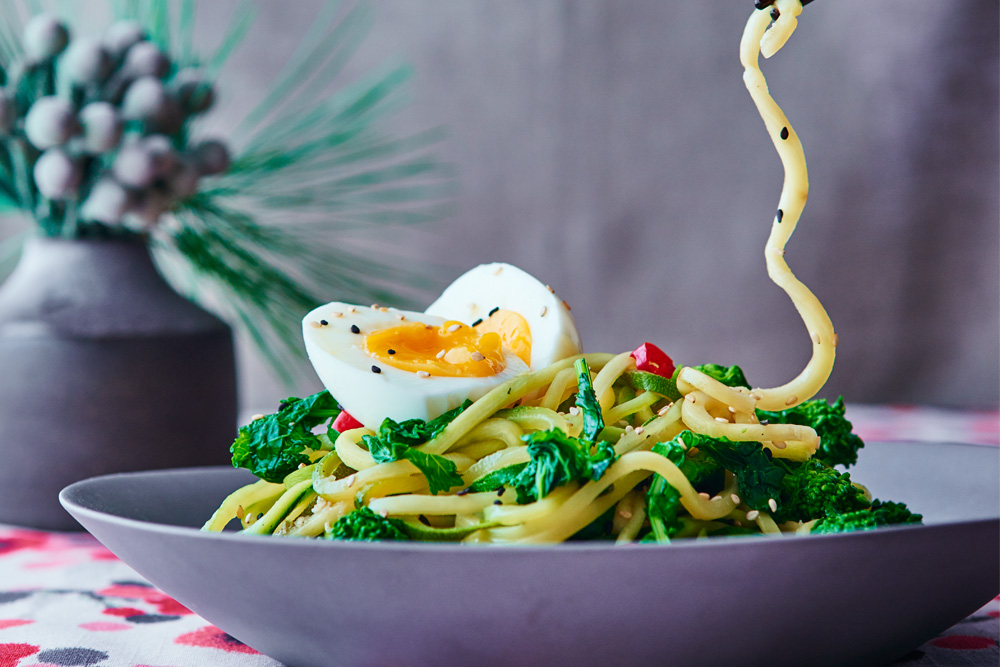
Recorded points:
(66, 600)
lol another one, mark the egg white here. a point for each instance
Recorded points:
(475, 293)
(338, 356)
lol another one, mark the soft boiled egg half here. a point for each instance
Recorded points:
(493, 323)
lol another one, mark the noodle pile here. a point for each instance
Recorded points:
(490, 440)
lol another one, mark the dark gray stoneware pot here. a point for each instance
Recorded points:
(103, 368)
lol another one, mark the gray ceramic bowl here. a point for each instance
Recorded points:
(858, 599)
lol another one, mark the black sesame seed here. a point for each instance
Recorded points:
(761, 4)
(494, 310)
(477, 322)
(764, 422)
(391, 351)
(323, 323)
(355, 329)
(775, 14)
(784, 133)
(498, 502)
(464, 491)
(501, 490)
(781, 214)
(376, 369)
(424, 520)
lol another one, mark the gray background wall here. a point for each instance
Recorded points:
(611, 149)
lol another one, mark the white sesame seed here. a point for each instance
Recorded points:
(454, 327)
(315, 325)
(752, 515)
(779, 444)
(383, 513)
(816, 338)
(256, 417)
(689, 398)
(773, 504)
(351, 480)
(704, 495)
(629, 429)
(374, 306)
(662, 411)
(639, 430)
(352, 309)
(836, 338)
(573, 410)
(714, 498)
(301, 466)
(383, 309)
(423, 374)
(545, 309)
(625, 514)
(336, 313)
(755, 397)
(722, 420)
(549, 288)
(735, 498)
(477, 356)
(240, 512)
(566, 305)
(400, 316)
(791, 399)
(440, 355)
(732, 410)
(497, 271)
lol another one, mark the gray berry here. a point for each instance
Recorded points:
(102, 126)
(44, 37)
(145, 98)
(107, 202)
(211, 157)
(150, 205)
(123, 34)
(86, 61)
(134, 166)
(162, 150)
(56, 174)
(183, 182)
(194, 93)
(146, 59)
(51, 121)
(8, 112)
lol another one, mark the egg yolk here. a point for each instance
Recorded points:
(514, 332)
(452, 349)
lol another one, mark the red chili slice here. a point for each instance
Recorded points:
(345, 422)
(652, 359)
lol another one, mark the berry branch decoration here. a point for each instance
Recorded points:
(105, 137)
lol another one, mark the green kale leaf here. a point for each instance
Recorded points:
(663, 501)
(838, 445)
(731, 376)
(273, 446)
(364, 524)
(757, 477)
(586, 400)
(505, 476)
(396, 441)
(558, 459)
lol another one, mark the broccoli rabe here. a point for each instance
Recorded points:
(812, 490)
(758, 478)
(364, 524)
(878, 515)
(274, 445)
(837, 444)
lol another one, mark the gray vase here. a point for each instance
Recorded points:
(103, 368)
